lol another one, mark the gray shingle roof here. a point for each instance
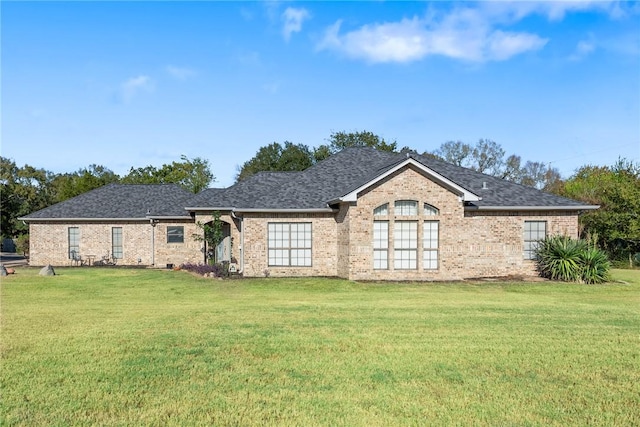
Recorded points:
(121, 201)
(354, 167)
(312, 188)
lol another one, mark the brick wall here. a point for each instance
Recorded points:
(324, 245)
(471, 244)
(49, 242)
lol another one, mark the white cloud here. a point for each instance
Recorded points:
(293, 19)
(476, 33)
(462, 35)
(130, 88)
(180, 73)
(583, 49)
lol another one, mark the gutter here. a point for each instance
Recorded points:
(258, 210)
(145, 219)
(532, 208)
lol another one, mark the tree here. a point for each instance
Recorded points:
(616, 225)
(212, 235)
(275, 157)
(488, 157)
(193, 175)
(23, 190)
(338, 141)
(68, 185)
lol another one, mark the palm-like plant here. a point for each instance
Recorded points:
(595, 266)
(558, 258)
(563, 258)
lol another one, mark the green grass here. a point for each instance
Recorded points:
(98, 346)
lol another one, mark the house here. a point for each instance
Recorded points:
(361, 214)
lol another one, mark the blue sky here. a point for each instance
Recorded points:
(131, 84)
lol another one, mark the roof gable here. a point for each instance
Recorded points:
(463, 193)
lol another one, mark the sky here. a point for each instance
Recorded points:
(131, 84)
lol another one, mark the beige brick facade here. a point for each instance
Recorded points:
(143, 243)
(472, 243)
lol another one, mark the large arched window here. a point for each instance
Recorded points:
(405, 223)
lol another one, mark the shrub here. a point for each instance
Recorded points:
(565, 259)
(22, 244)
(558, 258)
(203, 269)
(595, 266)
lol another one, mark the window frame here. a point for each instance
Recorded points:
(117, 243)
(530, 243)
(175, 237)
(381, 245)
(290, 247)
(400, 208)
(405, 250)
(430, 210)
(382, 210)
(430, 249)
(73, 241)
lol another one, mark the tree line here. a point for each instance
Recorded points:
(615, 227)
(26, 189)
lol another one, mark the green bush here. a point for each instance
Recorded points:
(568, 260)
(595, 266)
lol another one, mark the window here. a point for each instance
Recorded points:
(289, 244)
(430, 245)
(380, 245)
(382, 210)
(406, 208)
(405, 241)
(74, 241)
(534, 231)
(430, 210)
(175, 234)
(116, 242)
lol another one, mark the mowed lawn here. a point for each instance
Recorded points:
(99, 346)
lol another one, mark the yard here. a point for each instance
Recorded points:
(100, 346)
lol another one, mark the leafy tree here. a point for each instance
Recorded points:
(193, 175)
(24, 190)
(212, 235)
(68, 185)
(338, 141)
(276, 157)
(488, 157)
(298, 157)
(616, 225)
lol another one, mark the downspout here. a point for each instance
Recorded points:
(153, 242)
(241, 248)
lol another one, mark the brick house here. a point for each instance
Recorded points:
(362, 214)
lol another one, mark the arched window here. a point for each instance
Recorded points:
(430, 210)
(406, 208)
(381, 210)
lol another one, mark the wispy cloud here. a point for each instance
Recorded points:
(583, 49)
(135, 85)
(180, 73)
(478, 33)
(414, 39)
(293, 19)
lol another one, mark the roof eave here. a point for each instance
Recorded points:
(533, 208)
(286, 210)
(143, 219)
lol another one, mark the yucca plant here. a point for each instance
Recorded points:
(559, 258)
(595, 266)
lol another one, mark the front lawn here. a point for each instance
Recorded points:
(99, 346)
